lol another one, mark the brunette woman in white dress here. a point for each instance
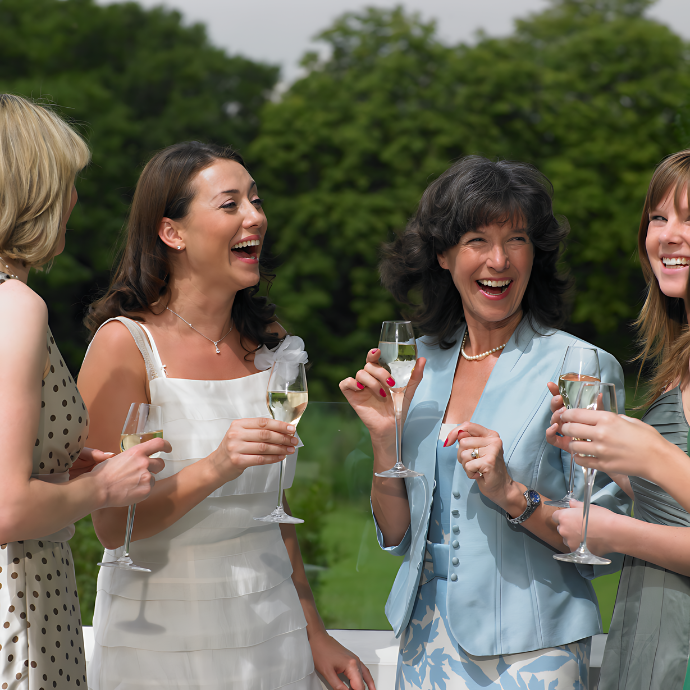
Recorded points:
(227, 604)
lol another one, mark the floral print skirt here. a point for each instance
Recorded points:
(431, 659)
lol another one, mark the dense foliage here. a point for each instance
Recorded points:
(134, 81)
(589, 91)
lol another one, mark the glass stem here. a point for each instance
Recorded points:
(398, 397)
(130, 525)
(279, 507)
(571, 483)
(589, 481)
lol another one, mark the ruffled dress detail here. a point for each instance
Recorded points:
(219, 609)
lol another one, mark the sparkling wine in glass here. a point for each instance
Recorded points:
(287, 400)
(144, 422)
(602, 397)
(581, 365)
(398, 356)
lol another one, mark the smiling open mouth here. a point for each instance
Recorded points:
(248, 249)
(494, 287)
(675, 261)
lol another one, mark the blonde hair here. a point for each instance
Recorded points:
(662, 324)
(40, 156)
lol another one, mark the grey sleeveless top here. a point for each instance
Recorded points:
(649, 640)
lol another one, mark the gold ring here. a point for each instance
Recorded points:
(475, 453)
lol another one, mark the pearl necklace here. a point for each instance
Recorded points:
(484, 354)
(215, 342)
(11, 275)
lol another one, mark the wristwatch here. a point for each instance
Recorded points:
(533, 500)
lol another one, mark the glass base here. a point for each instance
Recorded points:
(279, 515)
(582, 557)
(562, 503)
(124, 563)
(399, 472)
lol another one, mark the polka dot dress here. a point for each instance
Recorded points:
(41, 645)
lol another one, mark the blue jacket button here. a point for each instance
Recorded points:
(456, 529)
(455, 561)
(453, 577)
(456, 494)
(456, 544)
(455, 512)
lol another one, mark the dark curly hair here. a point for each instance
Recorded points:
(165, 190)
(473, 193)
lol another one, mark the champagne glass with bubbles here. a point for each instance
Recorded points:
(581, 365)
(398, 357)
(591, 396)
(143, 423)
(287, 400)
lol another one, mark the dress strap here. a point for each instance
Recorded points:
(154, 368)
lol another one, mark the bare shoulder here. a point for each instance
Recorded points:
(19, 301)
(113, 348)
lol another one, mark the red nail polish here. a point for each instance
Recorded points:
(382, 392)
(374, 351)
(360, 386)
(445, 443)
(390, 381)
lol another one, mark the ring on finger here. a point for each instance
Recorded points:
(475, 453)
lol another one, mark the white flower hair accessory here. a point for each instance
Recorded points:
(290, 350)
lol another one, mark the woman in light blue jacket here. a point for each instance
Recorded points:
(479, 600)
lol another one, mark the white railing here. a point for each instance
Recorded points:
(378, 649)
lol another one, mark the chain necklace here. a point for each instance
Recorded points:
(11, 275)
(215, 342)
(484, 354)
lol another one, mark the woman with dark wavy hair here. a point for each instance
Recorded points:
(227, 603)
(479, 600)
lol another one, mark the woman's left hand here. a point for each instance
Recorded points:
(600, 527)
(488, 469)
(331, 659)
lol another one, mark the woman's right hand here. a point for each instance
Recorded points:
(250, 442)
(554, 434)
(368, 394)
(128, 477)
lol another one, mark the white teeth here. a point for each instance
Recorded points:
(249, 243)
(495, 283)
(675, 261)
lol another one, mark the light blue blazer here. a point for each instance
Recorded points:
(510, 595)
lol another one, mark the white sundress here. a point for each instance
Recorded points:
(219, 609)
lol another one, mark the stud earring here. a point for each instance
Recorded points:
(178, 246)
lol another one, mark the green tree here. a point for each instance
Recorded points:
(587, 90)
(133, 81)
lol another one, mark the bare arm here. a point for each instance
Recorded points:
(607, 532)
(23, 353)
(330, 657)
(112, 377)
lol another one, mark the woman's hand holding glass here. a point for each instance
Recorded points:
(250, 442)
(600, 527)
(368, 394)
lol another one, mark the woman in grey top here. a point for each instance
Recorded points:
(649, 640)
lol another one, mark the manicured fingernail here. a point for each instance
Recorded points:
(445, 443)
(290, 450)
(390, 381)
(294, 441)
(291, 428)
(382, 392)
(360, 386)
(374, 351)
(109, 455)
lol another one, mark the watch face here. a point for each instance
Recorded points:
(534, 497)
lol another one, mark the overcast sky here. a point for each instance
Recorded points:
(280, 31)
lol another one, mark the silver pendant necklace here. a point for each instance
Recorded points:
(215, 342)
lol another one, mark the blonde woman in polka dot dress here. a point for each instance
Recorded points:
(43, 421)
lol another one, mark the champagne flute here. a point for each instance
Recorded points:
(143, 423)
(287, 399)
(581, 364)
(398, 357)
(591, 396)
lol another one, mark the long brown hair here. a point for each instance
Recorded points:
(663, 334)
(165, 190)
